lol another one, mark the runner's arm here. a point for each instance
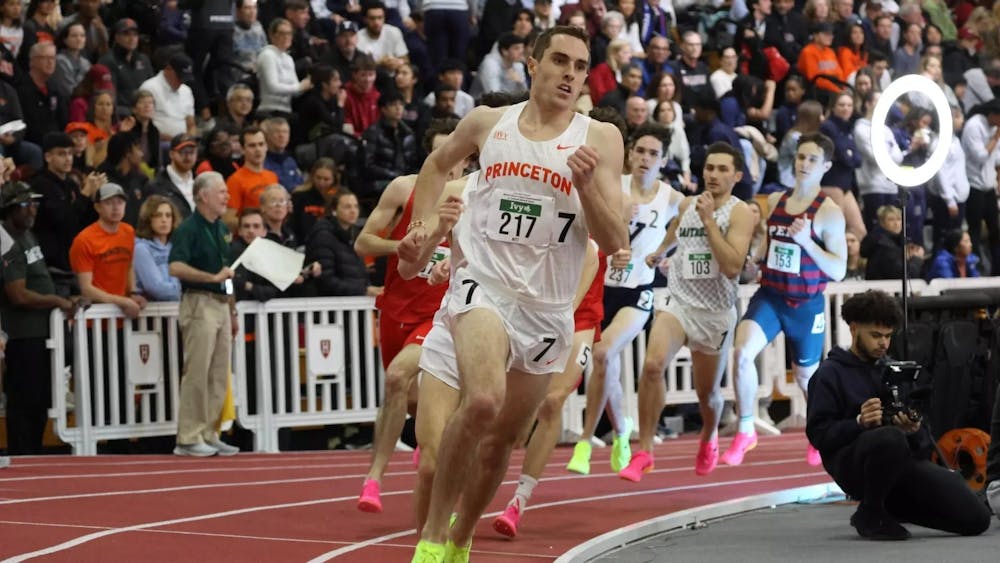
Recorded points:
(437, 231)
(730, 250)
(394, 198)
(601, 193)
(829, 223)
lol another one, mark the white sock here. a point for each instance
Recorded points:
(525, 485)
(746, 424)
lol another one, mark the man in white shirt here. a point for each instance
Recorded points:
(450, 73)
(174, 99)
(503, 71)
(382, 41)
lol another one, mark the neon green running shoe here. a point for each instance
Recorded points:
(428, 552)
(455, 554)
(621, 453)
(580, 462)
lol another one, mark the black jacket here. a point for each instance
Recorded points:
(43, 113)
(789, 33)
(837, 390)
(127, 75)
(62, 213)
(846, 157)
(344, 272)
(389, 152)
(319, 117)
(884, 252)
(308, 206)
(164, 186)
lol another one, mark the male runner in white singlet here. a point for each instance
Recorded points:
(628, 293)
(549, 179)
(712, 238)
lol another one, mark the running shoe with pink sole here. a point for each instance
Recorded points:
(641, 462)
(812, 456)
(416, 457)
(506, 523)
(707, 458)
(742, 443)
(370, 500)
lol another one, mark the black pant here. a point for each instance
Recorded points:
(993, 456)
(28, 385)
(943, 223)
(879, 470)
(982, 206)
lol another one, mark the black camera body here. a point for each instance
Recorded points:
(900, 393)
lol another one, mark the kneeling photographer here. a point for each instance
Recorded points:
(882, 458)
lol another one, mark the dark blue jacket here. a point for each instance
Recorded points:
(846, 157)
(284, 165)
(944, 266)
(837, 390)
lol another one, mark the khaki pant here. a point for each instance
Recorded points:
(206, 328)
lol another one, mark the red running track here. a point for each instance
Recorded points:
(301, 506)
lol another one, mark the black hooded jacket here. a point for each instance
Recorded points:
(837, 390)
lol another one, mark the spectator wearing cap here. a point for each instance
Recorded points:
(129, 68)
(38, 27)
(246, 184)
(389, 145)
(158, 218)
(818, 58)
(64, 208)
(383, 42)
(123, 167)
(361, 103)
(71, 65)
(101, 255)
(345, 48)
(88, 13)
(278, 134)
(322, 109)
(176, 181)
(43, 109)
(276, 72)
(451, 72)
(200, 258)
(503, 71)
(28, 298)
(248, 35)
(13, 144)
(173, 97)
(98, 79)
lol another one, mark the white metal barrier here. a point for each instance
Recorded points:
(314, 362)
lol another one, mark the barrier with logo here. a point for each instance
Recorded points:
(313, 362)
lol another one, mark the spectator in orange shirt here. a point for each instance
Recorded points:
(818, 58)
(246, 184)
(853, 55)
(101, 255)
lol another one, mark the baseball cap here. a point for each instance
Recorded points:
(109, 191)
(347, 26)
(181, 141)
(14, 193)
(100, 76)
(74, 126)
(182, 66)
(126, 24)
(56, 140)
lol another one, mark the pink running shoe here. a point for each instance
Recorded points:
(708, 457)
(506, 523)
(642, 462)
(742, 443)
(370, 500)
(812, 456)
(416, 457)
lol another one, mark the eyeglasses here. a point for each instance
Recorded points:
(29, 203)
(279, 203)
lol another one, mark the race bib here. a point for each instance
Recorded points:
(441, 253)
(520, 218)
(699, 265)
(784, 257)
(619, 275)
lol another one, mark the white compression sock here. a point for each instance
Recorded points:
(525, 485)
(746, 424)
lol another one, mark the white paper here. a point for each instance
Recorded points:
(12, 127)
(6, 242)
(277, 264)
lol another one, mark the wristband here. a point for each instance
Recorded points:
(414, 225)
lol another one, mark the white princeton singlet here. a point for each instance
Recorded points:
(523, 228)
(646, 230)
(694, 278)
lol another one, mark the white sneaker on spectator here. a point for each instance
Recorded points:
(223, 448)
(993, 497)
(195, 450)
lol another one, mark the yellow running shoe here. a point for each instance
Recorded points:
(428, 552)
(455, 554)
(580, 462)
(621, 453)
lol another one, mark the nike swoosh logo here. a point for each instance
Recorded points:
(564, 147)
(419, 337)
(550, 362)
